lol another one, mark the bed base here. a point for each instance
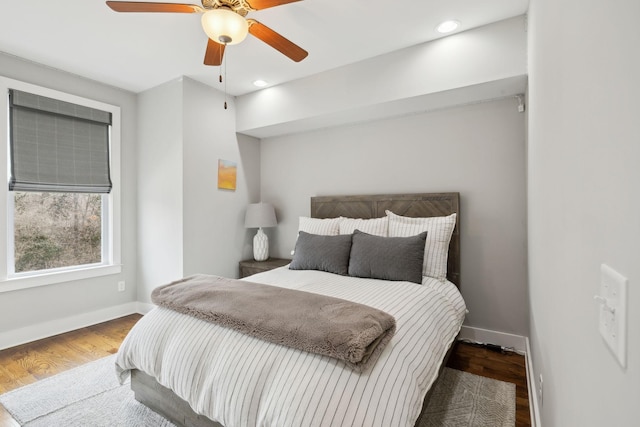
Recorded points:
(165, 402)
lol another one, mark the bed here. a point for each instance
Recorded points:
(232, 380)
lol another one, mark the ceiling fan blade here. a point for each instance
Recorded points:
(276, 41)
(265, 4)
(138, 6)
(214, 53)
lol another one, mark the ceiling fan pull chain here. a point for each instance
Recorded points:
(220, 67)
(225, 78)
(225, 86)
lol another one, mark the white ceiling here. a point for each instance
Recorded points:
(137, 51)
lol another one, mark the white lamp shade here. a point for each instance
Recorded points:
(260, 215)
(225, 26)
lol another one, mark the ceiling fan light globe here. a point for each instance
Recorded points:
(221, 25)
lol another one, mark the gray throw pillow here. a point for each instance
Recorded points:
(387, 258)
(324, 253)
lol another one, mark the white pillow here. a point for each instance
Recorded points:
(375, 226)
(325, 227)
(439, 230)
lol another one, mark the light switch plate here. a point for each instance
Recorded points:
(613, 312)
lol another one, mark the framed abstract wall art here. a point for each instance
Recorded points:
(227, 173)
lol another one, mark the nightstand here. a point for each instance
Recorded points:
(250, 266)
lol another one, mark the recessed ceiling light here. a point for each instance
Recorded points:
(260, 83)
(447, 26)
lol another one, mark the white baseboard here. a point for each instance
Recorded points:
(534, 405)
(516, 342)
(59, 326)
(144, 307)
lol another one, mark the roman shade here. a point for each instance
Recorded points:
(58, 146)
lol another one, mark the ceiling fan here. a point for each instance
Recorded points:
(225, 24)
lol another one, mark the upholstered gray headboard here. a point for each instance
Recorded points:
(412, 205)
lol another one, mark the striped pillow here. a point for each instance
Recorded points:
(439, 230)
(375, 226)
(325, 227)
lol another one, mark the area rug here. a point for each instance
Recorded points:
(461, 399)
(90, 395)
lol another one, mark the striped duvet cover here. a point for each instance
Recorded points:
(239, 380)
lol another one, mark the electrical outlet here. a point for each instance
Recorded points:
(121, 286)
(540, 391)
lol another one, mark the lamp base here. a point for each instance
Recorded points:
(260, 246)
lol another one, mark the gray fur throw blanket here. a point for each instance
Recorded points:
(348, 331)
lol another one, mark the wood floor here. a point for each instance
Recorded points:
(31, 362)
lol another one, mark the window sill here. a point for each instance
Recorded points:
(50, 278)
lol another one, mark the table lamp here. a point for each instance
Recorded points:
(260, 215)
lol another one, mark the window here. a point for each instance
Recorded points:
(62, 195)
(56, 230)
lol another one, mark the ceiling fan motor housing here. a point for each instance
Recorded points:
(241, 7)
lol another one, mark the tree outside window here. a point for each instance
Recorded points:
(55, 230)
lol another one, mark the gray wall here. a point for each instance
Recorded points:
(584, 210)
(478, 150)
(33, 306)
(186, 224)
(214, 234)
(160, 256)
